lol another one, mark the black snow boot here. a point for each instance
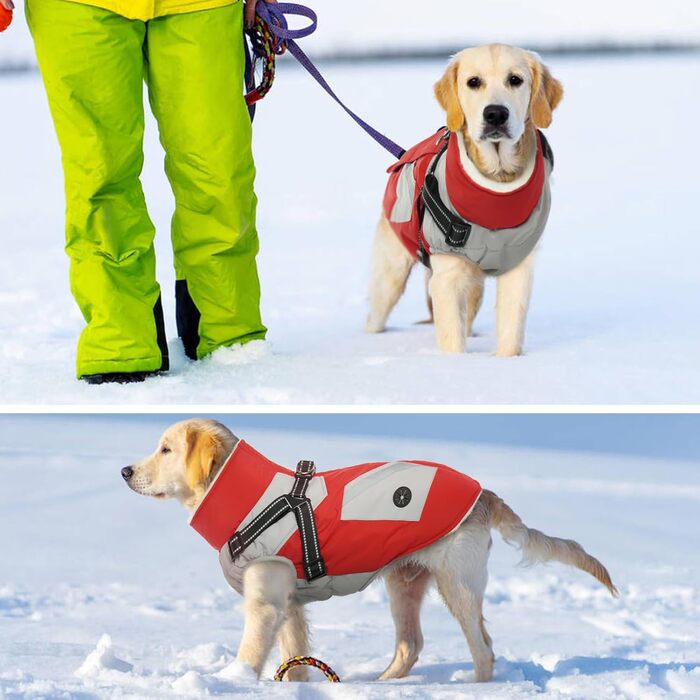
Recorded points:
(118, 377)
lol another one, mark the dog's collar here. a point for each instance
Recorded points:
(479, 178)
(487, 207)
(233, 493)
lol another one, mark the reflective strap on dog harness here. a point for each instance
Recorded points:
(294, 502)
(455, 229)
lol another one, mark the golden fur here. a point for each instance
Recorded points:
(455, 285)
(192, 452)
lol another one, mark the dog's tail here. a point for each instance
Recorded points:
(538, 547)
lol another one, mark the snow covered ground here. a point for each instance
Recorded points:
(105, 594)
(613, 316)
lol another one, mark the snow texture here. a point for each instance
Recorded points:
(107, 594)
(611, 318)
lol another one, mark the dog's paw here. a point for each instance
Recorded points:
(455, 347)
(239, 671)
(373, 326)
(509, 352)
(299, 674)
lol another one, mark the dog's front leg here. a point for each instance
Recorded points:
(267, 589)
(450, 286)
(391, 266)
(294, 641)
(475, 296)
(512, 302)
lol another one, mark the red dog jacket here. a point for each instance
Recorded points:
(364, 517)
(497, 229)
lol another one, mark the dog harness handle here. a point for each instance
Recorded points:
(294, 502)
(455, 229)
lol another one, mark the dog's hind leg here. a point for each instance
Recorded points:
(463, 592)
(267, 589)
(406, 587)
(512, 302)
(391, 266)
(294, 641)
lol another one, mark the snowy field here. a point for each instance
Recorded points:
(614, 317)
(399, 26)
(105, 594)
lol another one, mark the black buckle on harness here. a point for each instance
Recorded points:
(458, 234)
(315, 568)
(236, 545)
(304, 473)
(305, 469)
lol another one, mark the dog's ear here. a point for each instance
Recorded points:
(547, 93)
(202, 451)
(447, 96)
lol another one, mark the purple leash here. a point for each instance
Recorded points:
(274, 15)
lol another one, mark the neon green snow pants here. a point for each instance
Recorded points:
(93, 64)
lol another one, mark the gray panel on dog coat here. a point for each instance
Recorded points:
(306, 591)
(494, 251)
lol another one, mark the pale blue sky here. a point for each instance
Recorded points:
(671, 436)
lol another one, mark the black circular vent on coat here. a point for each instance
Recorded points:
(402, 496)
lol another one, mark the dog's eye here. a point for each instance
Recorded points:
(164, 450)
(515, 81)
(474, 83)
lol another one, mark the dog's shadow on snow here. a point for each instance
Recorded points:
(529, 671)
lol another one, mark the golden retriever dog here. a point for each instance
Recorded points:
(495, 98)
(187, 460)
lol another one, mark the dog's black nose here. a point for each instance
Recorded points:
(127, 473)
(496, 115)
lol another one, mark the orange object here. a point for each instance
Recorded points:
(5, 18)
(330, 674)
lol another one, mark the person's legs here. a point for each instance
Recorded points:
(194, 72)
(91, 61)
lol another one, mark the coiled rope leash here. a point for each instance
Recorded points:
(270, 36)
(329, 673)
(265, 46)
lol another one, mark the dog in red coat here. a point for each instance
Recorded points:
(199, 461)
(488, 204)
